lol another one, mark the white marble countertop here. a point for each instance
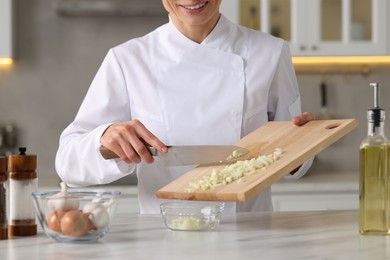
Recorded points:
(277, 235)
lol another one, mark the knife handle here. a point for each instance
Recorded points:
(108, 154)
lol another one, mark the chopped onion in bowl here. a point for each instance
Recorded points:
(188, 223)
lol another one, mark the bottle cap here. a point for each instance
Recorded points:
(22, 161)
(376, 115)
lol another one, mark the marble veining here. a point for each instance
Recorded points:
(277, 235)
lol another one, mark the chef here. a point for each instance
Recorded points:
(199, 79)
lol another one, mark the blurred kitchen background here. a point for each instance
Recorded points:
(57, 52)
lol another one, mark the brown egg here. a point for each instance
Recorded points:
(54, 220)
(75, 223)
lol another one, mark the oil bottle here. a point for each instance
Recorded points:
(374, 193)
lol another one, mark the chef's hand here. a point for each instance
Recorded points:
(303, 118)
(129, 139)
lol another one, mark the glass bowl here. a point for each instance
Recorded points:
(192, 216)
(76, 216)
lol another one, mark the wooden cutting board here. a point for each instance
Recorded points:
(298, 143)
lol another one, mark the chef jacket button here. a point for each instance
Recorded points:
(238, 63)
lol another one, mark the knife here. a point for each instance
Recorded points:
(191, 154)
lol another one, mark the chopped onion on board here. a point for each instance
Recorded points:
(234, 171)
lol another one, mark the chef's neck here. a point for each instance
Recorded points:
(196, 32)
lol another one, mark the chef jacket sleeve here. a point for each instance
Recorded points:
(284, 99)
(78, 160)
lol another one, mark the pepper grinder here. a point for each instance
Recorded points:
(23, 182)
(3, 198)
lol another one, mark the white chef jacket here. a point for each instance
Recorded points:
(185, 93)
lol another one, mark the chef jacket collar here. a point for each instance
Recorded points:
(216, 39)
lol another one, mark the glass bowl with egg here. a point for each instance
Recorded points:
(78, 216)
(192, 216)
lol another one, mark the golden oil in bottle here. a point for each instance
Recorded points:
(374, 197)
(375, 192)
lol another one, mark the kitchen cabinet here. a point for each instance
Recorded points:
(318, 27)
(339, 27)
(285, 201)
(318, 191)
(315, 191)
(316, 201)
(282, 201)
(5, 29)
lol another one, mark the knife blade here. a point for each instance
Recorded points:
(191, 154)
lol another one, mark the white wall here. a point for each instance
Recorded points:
(57, 57)
(229, 9)
(5, 28)
(349, 96)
